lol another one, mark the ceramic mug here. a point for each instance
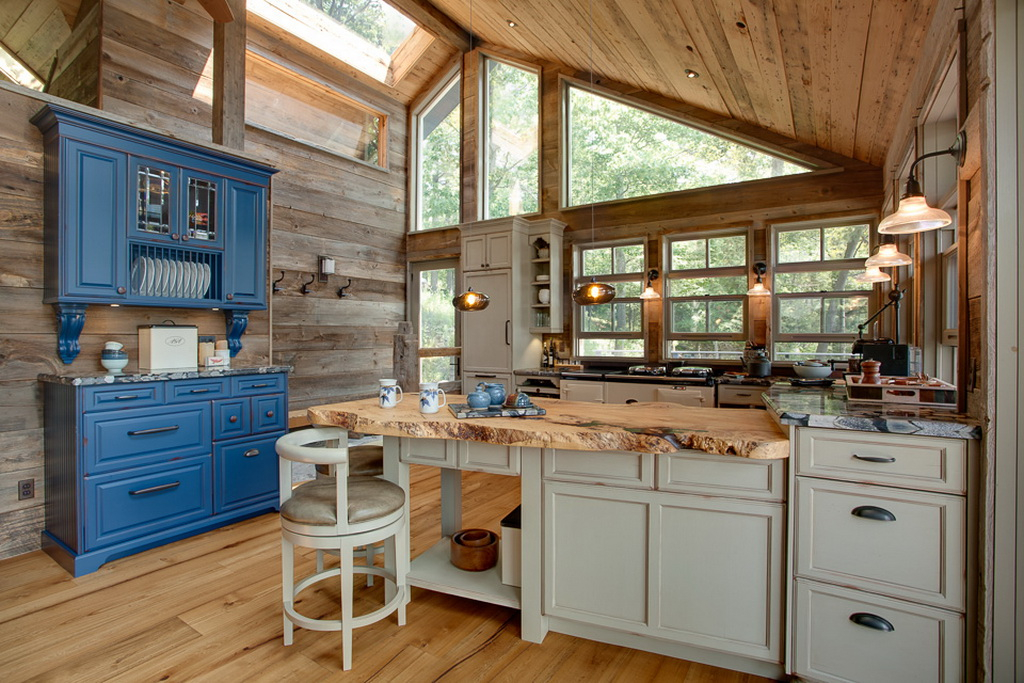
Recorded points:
(390, 393)
(431, 397)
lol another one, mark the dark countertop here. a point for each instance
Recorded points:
(95, 379)
(830, 409)
(621, 376)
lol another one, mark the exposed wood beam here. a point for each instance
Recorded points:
(229, 78)
(221, 10)
(435, 21)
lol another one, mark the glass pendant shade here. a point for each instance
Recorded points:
(593, 293)
(872, 275)
(759, 289)
(471, 301)
(914, 215)
(888, 256)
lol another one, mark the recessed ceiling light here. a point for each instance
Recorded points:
(690, 73)
(512, 24)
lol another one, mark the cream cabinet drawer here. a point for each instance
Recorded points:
(901, 543)
(436, 452)
(917, 462)
(844, 635)
(741, 395)
(487, 457)
(722, 475)
(612, 468)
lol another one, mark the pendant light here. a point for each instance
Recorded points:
(593, 292)
(471, 301)
(759, 289)
(872, 274)
(887, 256)
(914, 214)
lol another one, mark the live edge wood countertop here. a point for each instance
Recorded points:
(642, 427)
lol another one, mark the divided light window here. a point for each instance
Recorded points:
(511, 123)
(616, 151)
(432, 293)
(818, 303)
(614, 329)
(706, 297)
(438, 158)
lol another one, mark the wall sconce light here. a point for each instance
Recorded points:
(914, 214)
(649, 292)
(872, 274)
(325, 267)
(887, 256)
(759, 289)
(471, 301)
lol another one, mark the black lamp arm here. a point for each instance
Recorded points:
(894, 300)
(958, 149)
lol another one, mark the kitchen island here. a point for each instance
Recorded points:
(654, 526)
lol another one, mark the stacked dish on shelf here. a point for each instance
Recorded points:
(170, 279)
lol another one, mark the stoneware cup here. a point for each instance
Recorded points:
(390, 393)
(431, 397)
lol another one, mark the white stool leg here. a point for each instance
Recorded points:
(319, 561)
(346, 605)
(287, 586)
(371, 554)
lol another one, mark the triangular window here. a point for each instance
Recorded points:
(617, 151)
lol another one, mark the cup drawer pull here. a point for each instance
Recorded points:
(874, 621)
(871, 512)
(154, 489)
(154, 430)
(874, 458)
(251, 453)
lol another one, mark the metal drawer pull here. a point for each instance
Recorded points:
(251, 453)
(154, 489)
(154, 430)
(871, 512)
(872, 621)
(874, 458)
(260, 386)
(200, 391)
(747, 395)
(126, 398)
(479, 375)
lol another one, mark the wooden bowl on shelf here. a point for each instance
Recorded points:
(474, 550)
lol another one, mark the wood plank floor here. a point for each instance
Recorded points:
(207, 609)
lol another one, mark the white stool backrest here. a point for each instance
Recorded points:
(294, 447)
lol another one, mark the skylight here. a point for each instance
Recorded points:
(16, 71)
(362, 33)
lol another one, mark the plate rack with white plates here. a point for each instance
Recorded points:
(174, 273)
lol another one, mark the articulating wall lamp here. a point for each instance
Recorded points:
(914, 214)
(759, 289)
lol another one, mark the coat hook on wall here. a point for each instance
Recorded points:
(277, 288)
(305, 287)
(341, 292)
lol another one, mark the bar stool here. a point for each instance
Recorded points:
(376, 510)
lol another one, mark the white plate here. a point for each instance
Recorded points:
(138, 274)
(172, 276)
(149, 273)
(165, 277)
(206, 280)
(195, 272)
(188, 280)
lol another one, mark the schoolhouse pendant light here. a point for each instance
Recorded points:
(471, 301)
(872, 274)
(759, 289)
(887, 256)
(914, 214)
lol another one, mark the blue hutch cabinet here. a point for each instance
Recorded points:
(135, 218)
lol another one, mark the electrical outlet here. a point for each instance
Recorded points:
(26, 489)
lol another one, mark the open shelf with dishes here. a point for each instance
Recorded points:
(546, 276)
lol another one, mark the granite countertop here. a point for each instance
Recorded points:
(574, 425)
(829, 408)
(94, 379)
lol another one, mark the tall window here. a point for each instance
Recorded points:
(705, 301)
(432, 292)
(818, 303)
(511, 116)
(614, 329)
(617, 151)
(439, 139)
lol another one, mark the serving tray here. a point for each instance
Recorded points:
(462, 410)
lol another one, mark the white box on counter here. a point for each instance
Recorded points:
(165, 348)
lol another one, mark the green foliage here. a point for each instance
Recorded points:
(513, 105)
(440, 167)
(373, 20)
(619, 260)
(618, 151)
(437, 369)
(437, 315)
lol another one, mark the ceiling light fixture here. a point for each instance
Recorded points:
(690, 73)
(592, 293)
(914, 214)
(471, 301)
(649, 292)
(872, 274)
(512, 24)
(887, 256)
(759, 289)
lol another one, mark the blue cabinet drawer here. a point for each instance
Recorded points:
(128, 438)
(187, 390)
(231, 418)
(246, 472)
(124, 396)
(150, 499)
(257, 384)
(268, 413)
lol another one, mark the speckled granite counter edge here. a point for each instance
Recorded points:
(97, 380)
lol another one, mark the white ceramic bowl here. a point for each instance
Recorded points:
(812, 371)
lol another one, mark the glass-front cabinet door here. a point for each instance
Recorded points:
(155, 195)
(176, 204)
(203, 201)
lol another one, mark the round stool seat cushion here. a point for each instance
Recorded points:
(363, 461)
(369, 498)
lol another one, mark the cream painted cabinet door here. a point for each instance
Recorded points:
(717, 573)
(487, 334)
(581, 390)
(483, 252)
(629, 392)
(595, 555)
(687, 395)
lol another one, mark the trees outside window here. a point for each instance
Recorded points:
(433, 290)
(511, 142)
(614, 329)
(705, 299)
(616, 151)
(818, 305)
(438, 155)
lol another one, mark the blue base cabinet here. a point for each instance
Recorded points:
(134, 465)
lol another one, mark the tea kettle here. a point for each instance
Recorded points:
(756, 362)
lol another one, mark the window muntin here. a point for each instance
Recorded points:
(618, 151)
(705, 296)
(614, 329)
(438, 158)
(511, 116)
(818, 305)
(434, 288)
